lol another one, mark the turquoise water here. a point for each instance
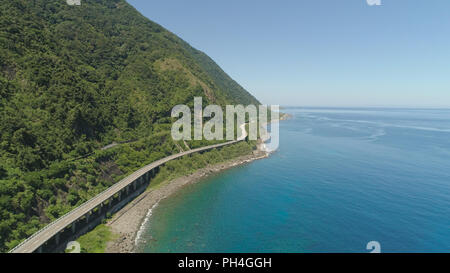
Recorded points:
(341, 178)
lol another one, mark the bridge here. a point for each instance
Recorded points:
(92, 212)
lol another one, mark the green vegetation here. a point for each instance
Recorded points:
(95, 241)
(76, 78)
(189, 164)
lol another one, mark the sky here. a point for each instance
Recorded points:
(342, 53)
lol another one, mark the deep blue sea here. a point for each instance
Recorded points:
(340, 179)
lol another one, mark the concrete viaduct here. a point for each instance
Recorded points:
(54, 236)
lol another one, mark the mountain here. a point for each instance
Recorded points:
(76, 78)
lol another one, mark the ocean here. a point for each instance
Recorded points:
(340, 179)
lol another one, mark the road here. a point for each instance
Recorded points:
(39, 238)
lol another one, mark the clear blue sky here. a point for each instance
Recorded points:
(321, 52)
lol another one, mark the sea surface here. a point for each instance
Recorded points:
(340, 179)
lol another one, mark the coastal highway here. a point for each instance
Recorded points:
(39, 238)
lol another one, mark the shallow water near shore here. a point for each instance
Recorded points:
(340, 179)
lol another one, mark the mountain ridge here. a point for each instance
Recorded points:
(74, 79)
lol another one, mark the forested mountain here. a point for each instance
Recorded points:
(76, 78)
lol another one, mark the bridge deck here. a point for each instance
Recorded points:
(39, 238)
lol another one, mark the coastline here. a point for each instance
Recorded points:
(127, 223)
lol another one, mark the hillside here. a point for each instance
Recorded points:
(76, 78)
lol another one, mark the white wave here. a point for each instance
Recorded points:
(382, 124)
(143, 227)
(378, 133)
(420, 128)
(307, 131)
(348, 127)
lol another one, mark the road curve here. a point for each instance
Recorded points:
(39, 238)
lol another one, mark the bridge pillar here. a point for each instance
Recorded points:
(57, 238)
(147, 177)
(135, 183)
(87, 217)
(74, 227)
(100, 209)
(127, 189)
(39, 250)
(120, 196)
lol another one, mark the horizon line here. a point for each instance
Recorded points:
(366, 107)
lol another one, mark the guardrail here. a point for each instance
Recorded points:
(27, 245)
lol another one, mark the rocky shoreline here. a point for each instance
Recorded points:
(126, 223)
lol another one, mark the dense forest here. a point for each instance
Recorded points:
(74, 79)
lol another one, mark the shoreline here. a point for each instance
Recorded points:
(128, 223)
